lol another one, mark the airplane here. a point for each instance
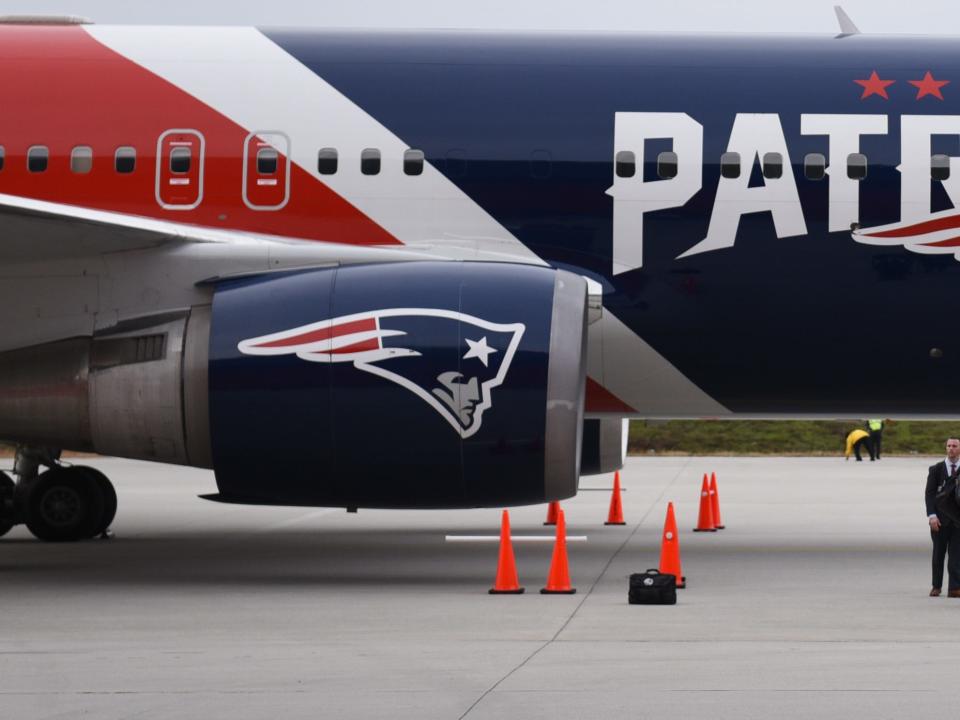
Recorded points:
(439, 269)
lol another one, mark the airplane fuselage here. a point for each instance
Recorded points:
(764, 289)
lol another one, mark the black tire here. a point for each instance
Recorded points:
(109, 497)
(8, 490)
(63, 505)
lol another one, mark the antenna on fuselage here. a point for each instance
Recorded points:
(847, 26)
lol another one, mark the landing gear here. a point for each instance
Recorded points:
(61, 504)
(8, 513)
(64, 504)
(109, 499)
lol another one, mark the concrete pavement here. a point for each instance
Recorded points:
(812, 601)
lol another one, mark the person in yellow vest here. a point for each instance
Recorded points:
(857, 440)
(875, 428)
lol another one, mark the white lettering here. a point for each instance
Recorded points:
(753, 135)
(915, 133)
(632, 197)
(844, 133)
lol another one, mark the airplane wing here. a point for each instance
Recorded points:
(38, 230)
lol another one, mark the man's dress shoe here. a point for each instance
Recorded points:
(935, 592)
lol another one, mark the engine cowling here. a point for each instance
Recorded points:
(604, 445)
(448, 384)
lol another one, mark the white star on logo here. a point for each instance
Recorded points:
(479, 349)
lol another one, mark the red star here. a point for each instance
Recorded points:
(929, 86)
(874, 86)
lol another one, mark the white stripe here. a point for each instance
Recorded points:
(255, 83)
(366, 356)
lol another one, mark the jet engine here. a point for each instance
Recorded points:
(604, 445)
(418, 384)
(447, 384)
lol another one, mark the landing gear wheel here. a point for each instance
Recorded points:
(7, 511)
(109, 498)
(64, 505)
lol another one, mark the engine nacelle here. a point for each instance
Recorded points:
(447, 384)
(604, 445)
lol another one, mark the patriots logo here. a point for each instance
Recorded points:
(939, 234)
(400, 345)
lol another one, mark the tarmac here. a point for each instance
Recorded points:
(811, 603)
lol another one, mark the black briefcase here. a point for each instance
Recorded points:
(653, 588)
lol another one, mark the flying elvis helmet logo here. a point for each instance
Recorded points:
(382, 342)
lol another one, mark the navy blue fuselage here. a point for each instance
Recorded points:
(815, 323)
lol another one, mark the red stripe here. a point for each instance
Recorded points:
(371, 344)
(952, 242)
(945, 223)
(46, 72)
(599, 399)
(365, 325)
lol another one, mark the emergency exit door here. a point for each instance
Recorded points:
(266, 171)
(180, 169)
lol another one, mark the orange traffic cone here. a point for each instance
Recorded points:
(615, 516)
(506, 582)
(715, 502)
(552, 510)
(705, 519)
(670, 549)
(558, 581)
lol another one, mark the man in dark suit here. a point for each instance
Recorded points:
(944, 531)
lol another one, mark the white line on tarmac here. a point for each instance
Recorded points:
(297, 520)
(514, 538)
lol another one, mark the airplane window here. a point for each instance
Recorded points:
(180, 160)
(940, 167)
(856, 166)
(626, 164)
(370, 161)
(125, 160)
(267, 159)
(730, 165)
(814, 166)
(327, 161)
(667, 165)
(413, 162)
(81, 159)
(37, 158)
(772, 166)
(3, 155)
